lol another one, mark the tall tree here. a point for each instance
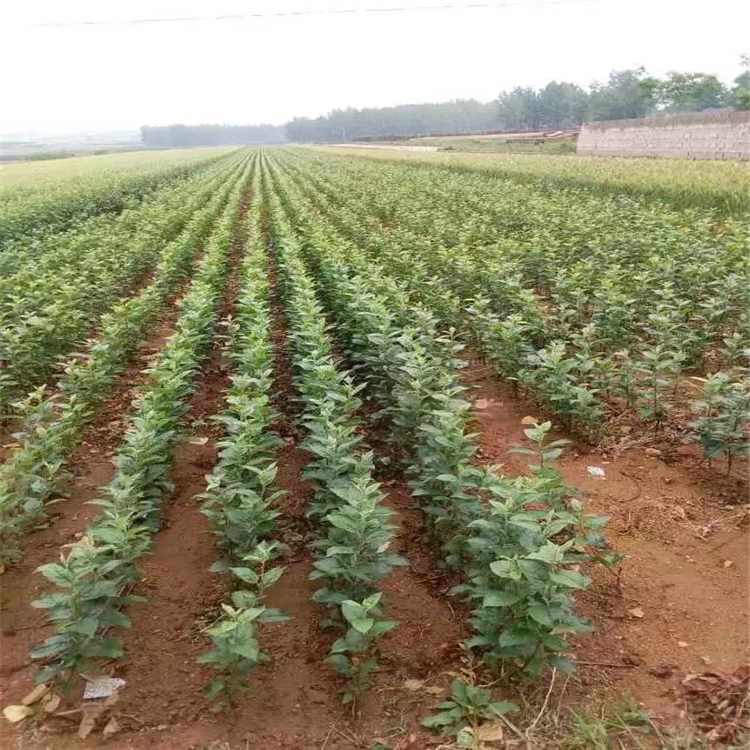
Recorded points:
(626, 94)
(562, 105)
(519, 109)
(739, 97)
(690, 92)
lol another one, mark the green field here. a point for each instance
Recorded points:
(720, 185)
(297, 439)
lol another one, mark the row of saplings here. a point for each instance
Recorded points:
(519, 541)
(596, 351)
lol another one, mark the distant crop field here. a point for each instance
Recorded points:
(35, 175)
(719, 185)
(332, 449)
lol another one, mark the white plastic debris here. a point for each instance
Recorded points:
(102, 687)
(595, 471)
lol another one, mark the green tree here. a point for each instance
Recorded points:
(627, 94)
(690, 92)
(519, 109)
(562, 105)
(739, 96)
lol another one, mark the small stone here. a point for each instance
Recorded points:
(706, 660)
(667, 480)
(636, 612)
(728, 563)
(682, 644)
(162, 727)
(652, 452)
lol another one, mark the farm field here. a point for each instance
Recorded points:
(322, 449)
(715, 185)
(37, 175)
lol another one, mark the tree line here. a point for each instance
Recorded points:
(557, 106)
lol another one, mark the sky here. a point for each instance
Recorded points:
(91, 78)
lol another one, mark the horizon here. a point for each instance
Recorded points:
(112, 130)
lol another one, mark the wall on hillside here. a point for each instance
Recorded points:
(710, 135)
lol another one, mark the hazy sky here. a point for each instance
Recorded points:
(87, 78)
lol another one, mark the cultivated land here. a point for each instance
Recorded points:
(717, 185)
(309, 447)
(37, 175)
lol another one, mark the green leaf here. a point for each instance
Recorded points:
(518, 637)
(503, 707)
(444, 718)
(571, 579)
(506, 569)
(85, 626)
(215, 687)
(248, 575)
(501, 599)
(340, 663)
(363, 624)
(57, 574)
(50, 600)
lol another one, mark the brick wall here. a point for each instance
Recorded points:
(718, 135)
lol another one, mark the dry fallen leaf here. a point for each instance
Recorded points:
(51, 703)
(36, 695)
(529, 420)
(434, 690)
(198, 441)
(112, 727)
(413, 685)
(636, 612)
(483, 403)
(88, 722)
(489, 732)
(17, 713)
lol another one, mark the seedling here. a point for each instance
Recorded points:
(721, 426)
(236, 650)
(467, 710)
(353, 656)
